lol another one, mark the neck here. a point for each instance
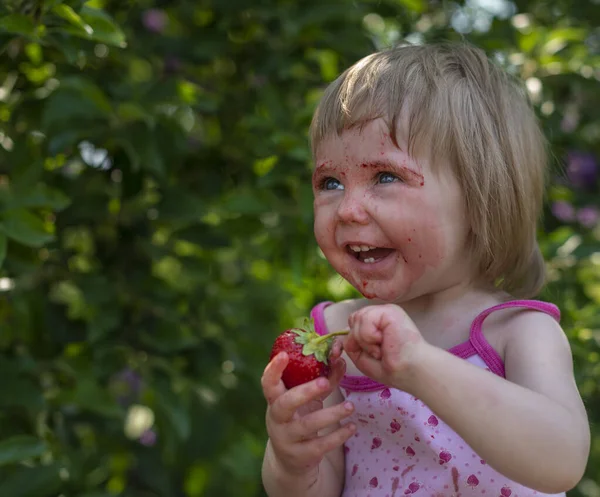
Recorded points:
(464, 294)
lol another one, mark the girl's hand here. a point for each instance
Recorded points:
(383, 342)
(300, 430)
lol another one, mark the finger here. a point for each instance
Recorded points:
(351, 344)
(374, 351)
(355, 317)
(336, 349)
(338, 369)
(316, 448)
(369, 327)
(367, 364)
(310, 425)
(284, 407)
(271, 381)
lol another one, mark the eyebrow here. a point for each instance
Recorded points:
(389, 164)
(378, 164)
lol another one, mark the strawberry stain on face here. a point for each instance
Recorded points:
(416, 222)
(363, 290)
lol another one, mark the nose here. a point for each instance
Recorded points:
(352, 209)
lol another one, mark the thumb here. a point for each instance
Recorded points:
(271, 381)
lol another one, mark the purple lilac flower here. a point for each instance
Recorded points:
(154, 20)
(128, 384)
(563, 211)
(582, 169)
(148, 438)
(588, 216)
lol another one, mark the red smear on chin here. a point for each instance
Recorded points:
(364, 291)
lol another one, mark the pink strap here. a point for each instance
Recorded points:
(477, 343)
(318, 315)
(482, 346)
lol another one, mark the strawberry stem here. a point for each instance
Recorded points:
(324, 338)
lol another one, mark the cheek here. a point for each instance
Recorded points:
(420, 236)
(322, 227)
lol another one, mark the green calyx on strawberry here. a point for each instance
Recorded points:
(308, 353)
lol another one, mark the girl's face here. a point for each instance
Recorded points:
(370, 194)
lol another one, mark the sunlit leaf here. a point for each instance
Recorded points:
(20, 447)
(25, 227)
(18, 24)
(40, 481)
(67, 13)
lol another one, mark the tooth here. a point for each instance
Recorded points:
(371, 248)
(370, 260)
(365, 248)
(355, 248)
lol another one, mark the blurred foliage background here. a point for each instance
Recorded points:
(156, 219)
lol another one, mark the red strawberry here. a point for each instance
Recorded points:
(308, 353)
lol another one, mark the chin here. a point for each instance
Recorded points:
(375, 291)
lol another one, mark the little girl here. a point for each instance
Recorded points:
(428, 186)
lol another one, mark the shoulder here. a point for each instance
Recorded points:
(336, 315)
(533, 343)
(513, 327)
(524, 326)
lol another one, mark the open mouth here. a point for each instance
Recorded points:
(369, 254)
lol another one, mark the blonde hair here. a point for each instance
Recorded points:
(460, 106)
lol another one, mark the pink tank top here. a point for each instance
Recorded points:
(402, 448)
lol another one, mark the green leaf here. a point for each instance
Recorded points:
(26, 228)
(40, 196)
(104, 28)
(18, 24)
(3, 247)
(140, 142)
(244, 202)
(48, 5)
(69, 107)
(17, 389)
(205, 236)
(89, 90)
(90, 396)
(264, 166)
(529, 41)
(178, 204)
(175, 410)
(417, 6)
(41, 481)
(20, 447)
(67, 13)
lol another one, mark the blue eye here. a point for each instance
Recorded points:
(387, 178)
(332, 184)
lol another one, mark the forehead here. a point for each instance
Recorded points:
(365, 139)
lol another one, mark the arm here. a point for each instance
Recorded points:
(327, 479)
(531, 427)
